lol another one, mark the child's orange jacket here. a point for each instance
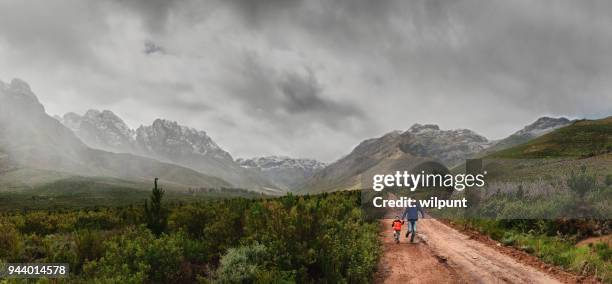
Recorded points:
(397, 225)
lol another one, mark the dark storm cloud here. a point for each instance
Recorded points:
(290, 74)
(302, 93)
(538, 54)
(289, 96)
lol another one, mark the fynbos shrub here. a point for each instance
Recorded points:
(581, 183)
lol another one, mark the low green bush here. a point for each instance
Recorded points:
(137, 256)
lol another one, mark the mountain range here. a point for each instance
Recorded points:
(36, 148)
(39, 149)
(420, 142)
(165, 141)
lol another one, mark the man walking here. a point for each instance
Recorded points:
(412, 215)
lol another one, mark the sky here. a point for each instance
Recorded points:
(313, 78)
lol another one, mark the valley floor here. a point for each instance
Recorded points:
(445, 255)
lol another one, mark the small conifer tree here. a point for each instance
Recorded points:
(156, 216)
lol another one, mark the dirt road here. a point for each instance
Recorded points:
(444, 255)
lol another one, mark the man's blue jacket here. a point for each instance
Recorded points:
(412, 213)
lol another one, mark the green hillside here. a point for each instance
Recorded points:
(584, 138)
(82, 192)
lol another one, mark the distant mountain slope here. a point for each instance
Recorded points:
(583, 138)
(166, 141)
(395, 149)
(541, 126)
(36, 143)
(286, 173)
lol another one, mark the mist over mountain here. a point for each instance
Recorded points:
(39, 148)
(169, 141)
(29, 136)
(166, 141)
(286, 173)
(5, 163)
(102, 130)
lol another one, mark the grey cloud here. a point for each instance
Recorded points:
(56, 32)
(550, 51)
(174, 95)
(154, 13)
(335, 71)
(256, 13)
(535, 55)
(304, 94)
(285, 98)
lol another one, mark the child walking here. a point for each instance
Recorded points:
(397, 228)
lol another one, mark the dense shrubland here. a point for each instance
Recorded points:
(322, 238)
